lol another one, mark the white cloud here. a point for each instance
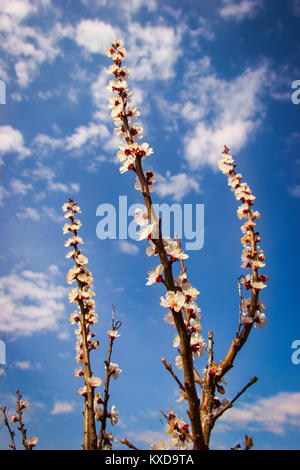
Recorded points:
(30, 302)
(54, 270)
(153, 51)
(42, 172)
(26, 72)
(44, 141)
(72, 188)
(133, 6)
(149, 437)
(24, 365)
(12, 141)
(100, 95)
(240, 9)
(62, 407)
(274, 414)
(30, 213)
(95, 35)
(296, 7)
(295, 191)
(18, 187)
(17, 8)
(127, 247)
(92, 134)
(3, 194)
(176, 186)
(203, 30)
(221, 112)
(29, 46)
(129, 7)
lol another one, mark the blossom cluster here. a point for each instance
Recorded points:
(29, 443)
(130, 154)
(85, 317)
(252, 255)
(178, 431)
(82, 295)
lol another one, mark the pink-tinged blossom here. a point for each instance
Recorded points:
(155, 275)
(141, 217)
(108, 439)
(74, 317)
(94, 381)
(114, 370)
(147, 232)
(78, 372)
(173, 301)
(113, 415)
(259, 319)
(151, 249)
(31, 442)
(113, 334)
(82, 391)
(73, 241)
(150, 179)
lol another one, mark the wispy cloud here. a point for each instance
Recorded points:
(240, 9)
(213, 123)
(62, 407)
(275, 414)
(176, 186)
(27, 365)
(127, 247)
(3, 194)
(153, 50)
(28, 47)
(18, 187)
(24, 365)
(30, 302)
(95, 35)
(12, 142)
(295, 191)
(30, 213)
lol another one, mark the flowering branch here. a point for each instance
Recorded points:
(11, 433)
(111, 370)
(21, 405)
(251, 309)
(178, 296)
(181, 296)
(85, 317)
(252, 258)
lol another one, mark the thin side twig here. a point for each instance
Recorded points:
(129, 444)
(11, 433)
(108, 374)
(22, 427)
(169, 368)
(230, 404)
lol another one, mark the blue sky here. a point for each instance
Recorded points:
(204, 74)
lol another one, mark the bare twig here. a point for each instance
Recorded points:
(128, 444)
(230, 404)
(169, 368)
